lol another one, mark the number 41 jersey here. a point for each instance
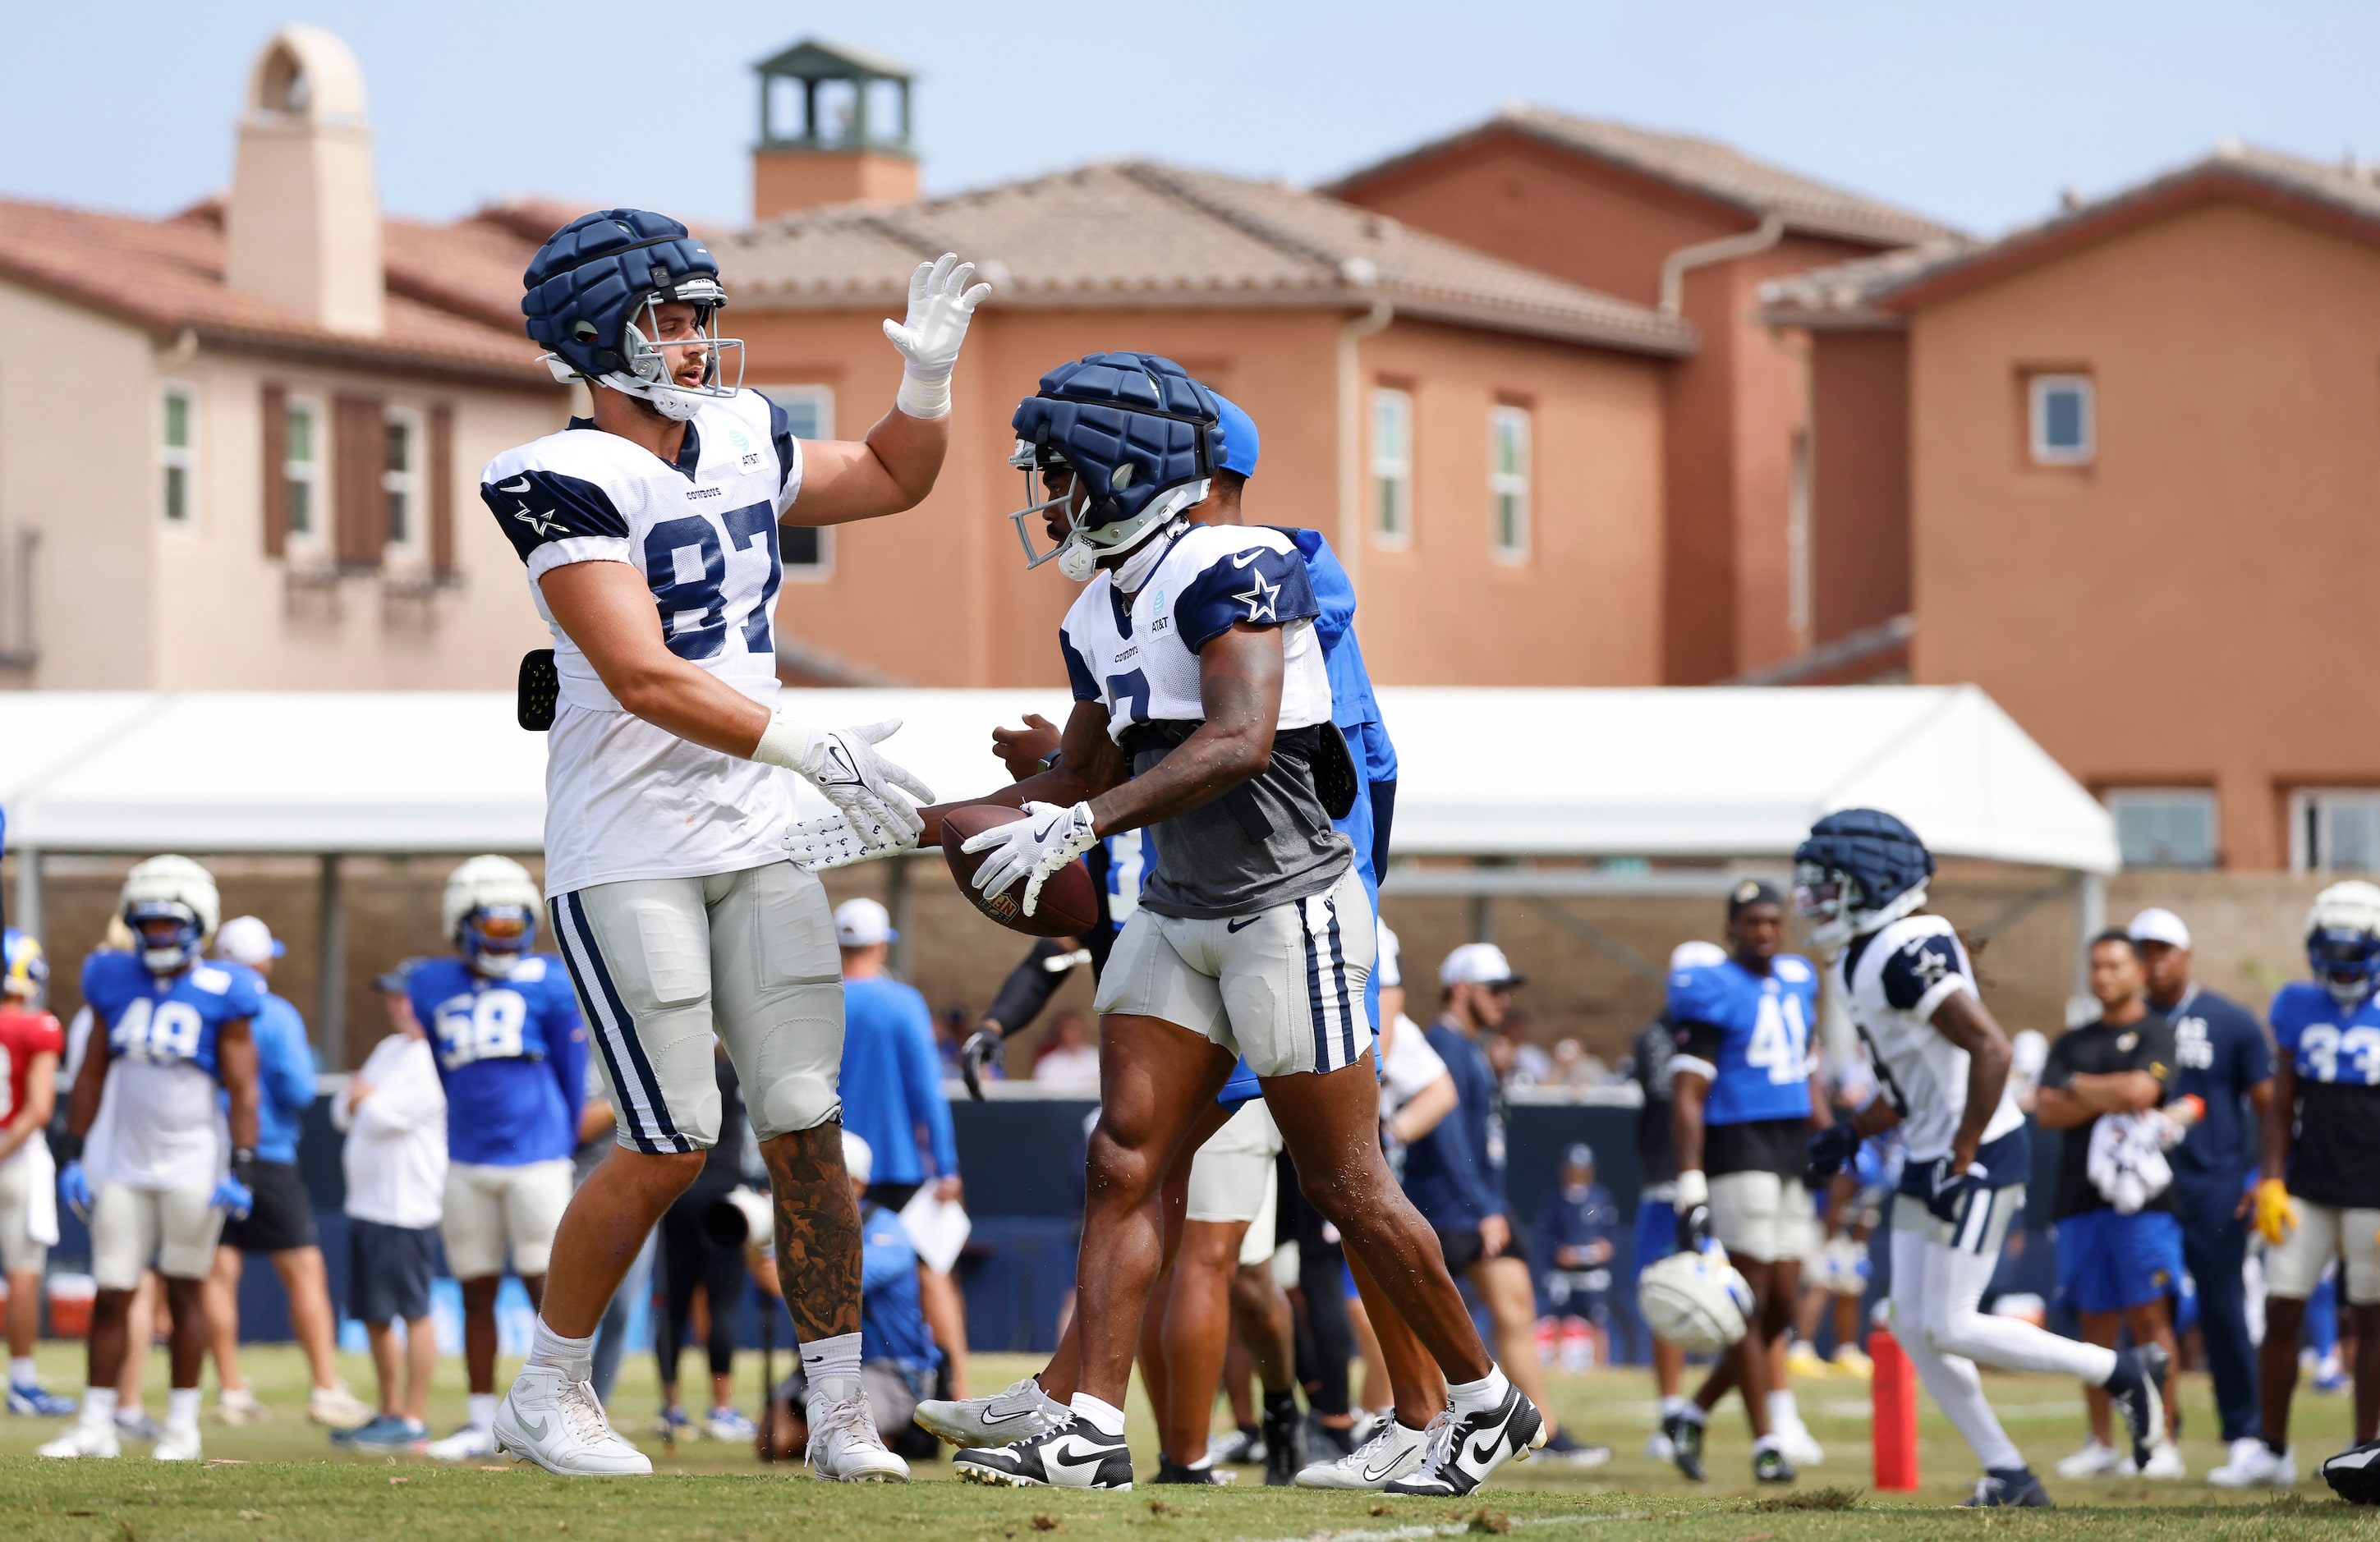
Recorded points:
(625, 799)
(2336, 1053)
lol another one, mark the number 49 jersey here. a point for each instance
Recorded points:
(1750, 1034)
(625, 799)
(512, 1053)
(2336, 1053)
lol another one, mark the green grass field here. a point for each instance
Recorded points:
(283, 1481)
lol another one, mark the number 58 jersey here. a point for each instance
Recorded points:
(625, 799)
(512, 1053)
(2336, 1055)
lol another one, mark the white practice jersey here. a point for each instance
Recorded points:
(1893, 979)
(624, 798)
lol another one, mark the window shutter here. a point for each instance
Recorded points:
(361, 450)
(441, 490)
(276, 471)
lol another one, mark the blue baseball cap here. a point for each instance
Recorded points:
(1240, 443)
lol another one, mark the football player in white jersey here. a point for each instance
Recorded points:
(1941, 1062)
(1203, 712)
(649, 533)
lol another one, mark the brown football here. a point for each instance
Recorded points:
(1069, 904)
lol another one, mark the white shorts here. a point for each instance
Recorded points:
(665, 966)
(2324, 1231)
(129, 1226)
(1764, 1217)
(493, 1212)
(1232, 1178)
(1283, 987)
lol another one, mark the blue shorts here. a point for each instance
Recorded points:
(1656, 1234)
(2108, 1261)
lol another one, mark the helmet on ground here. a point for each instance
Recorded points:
(1860, 869)
(170, 905)
(595, 293)
(489, 908)
(1697, 1301)
(1141, 439)
(2342, 939)
(24, 973)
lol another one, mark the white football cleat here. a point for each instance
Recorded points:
(1018, 1413)
(844, 1446)
(179, 1443)
(468, 1444)
(85, 1436)
(2166, 1462)
(2252, 1465)
(1391, 1452)
(2096, 1460)
(1659, 1447)
(558, 1424)
(1800, 1447)
(238, 1405)
(334, 1407)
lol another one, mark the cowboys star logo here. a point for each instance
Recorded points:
(1260, 600)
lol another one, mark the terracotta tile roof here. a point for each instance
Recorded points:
(1717, 171)
(167, 275)
(1878, 291)
(1135, 233)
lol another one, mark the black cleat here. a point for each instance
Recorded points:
(1170, 1471)
(1071, 1456)
(1279, 1439)
(2010, 1488)
(1472, 1446)
(1768, 1465)
(2354, 1474)
(2138, 1392)
(1685, 1444)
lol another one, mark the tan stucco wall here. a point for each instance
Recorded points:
(2186, 609)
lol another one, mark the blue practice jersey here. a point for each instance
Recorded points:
(512, 1053)
(2336, 1053)
(1750, 1034)
(171, 1022)
(892, 1311)
(2218, 1053)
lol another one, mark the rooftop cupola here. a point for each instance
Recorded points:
(835, 128)
(302, 229)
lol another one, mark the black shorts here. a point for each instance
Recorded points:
(1464, 1249)
(894, 1197)
(283, 1217)
(389, 1270)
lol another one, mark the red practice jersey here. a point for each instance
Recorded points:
(24, 1035)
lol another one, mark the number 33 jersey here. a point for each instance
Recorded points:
(2336, 1053)
(163, 1130)
(624, 798)
(512, 1053)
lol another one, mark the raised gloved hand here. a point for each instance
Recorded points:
(233, 1197)
(2277, 1213)
(1948, 1186)
(1829, 1149)
(74, 1188)
(985, 1046)
(1032, 848)
(864, 787)
(941, 306)
(1692, 1205)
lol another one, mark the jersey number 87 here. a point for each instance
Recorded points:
(163, 1033)
(485, 1026)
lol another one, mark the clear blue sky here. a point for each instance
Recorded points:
(1975, 115)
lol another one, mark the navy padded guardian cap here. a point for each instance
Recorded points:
(1883, 855)
(1108, 411)
(593, 272)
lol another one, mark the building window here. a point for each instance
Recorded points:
(2065, 419)
(301, 470)
(2335, 830)
(1393, 466)
(400, 479)
(177, 454)
(1508, 482)
(2166, 827)
(806, 551)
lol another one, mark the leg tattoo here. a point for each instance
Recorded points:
(818, 1231)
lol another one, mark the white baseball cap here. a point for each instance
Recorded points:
(2157, 925)
(1386, 970)
(247, 939)
(1695, 955)
(1478, 964)
(857, 1159)
(862, 924)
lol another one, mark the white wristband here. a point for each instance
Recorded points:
(785, 743)
(924, 398)
(1693, 1189)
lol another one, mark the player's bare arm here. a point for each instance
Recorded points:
(40, 1101)
(1877, 1117)
(1239, 685)
(2067, 1108)
(1090, 763)
(90, 1082)
(607, 609)
(236, 1064)
(1967, 1023)
(2279, 1110)
(1690, 1090)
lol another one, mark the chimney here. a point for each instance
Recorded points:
(835, 128)
(302, 230)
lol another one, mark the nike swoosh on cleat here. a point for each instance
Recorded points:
(988, 1417)
(1485, 1450)
(534, 1431)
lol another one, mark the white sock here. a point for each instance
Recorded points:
(1691, 1411)
(1105, 1417)
(98, 1405)
(1672, 1405)
(1203, 1463)
(1781, 1410)
(1920, 1273)
(1767, 1442)
(1480, 1396)
(21, 1372)
(835, 1359)
(483, 1409)
(182, 1408)
(575, 1358)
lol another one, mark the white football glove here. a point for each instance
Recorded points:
(815, 845)
(865, 788)
(1032, 848)
(941, 305)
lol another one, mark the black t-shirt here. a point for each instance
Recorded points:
(1657, 1155)
(2096, 1050)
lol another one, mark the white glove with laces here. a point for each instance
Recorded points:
(865, 788)
(1032, 848)
(941, 305)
